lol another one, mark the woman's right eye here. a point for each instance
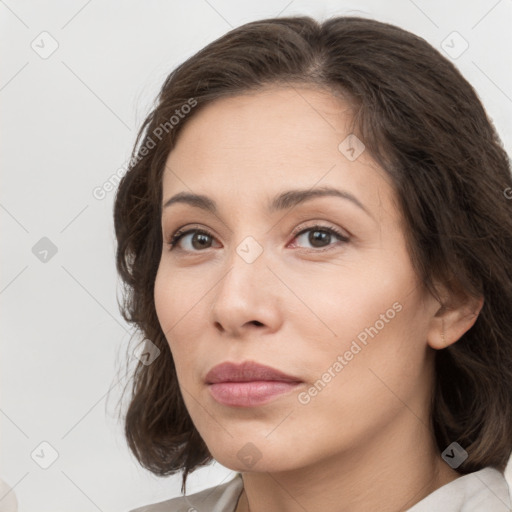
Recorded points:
(198, 242)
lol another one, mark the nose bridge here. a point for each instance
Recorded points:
(247, 265)
(244, 293)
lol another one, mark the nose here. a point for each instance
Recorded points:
(247, 297)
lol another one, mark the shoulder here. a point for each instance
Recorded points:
(486, 489)
(223, 497)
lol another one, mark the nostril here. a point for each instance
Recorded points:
(256, 322)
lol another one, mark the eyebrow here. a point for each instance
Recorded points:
(282, 201)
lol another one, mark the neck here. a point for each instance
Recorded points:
(391, 473)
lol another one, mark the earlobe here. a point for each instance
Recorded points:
(450, 323)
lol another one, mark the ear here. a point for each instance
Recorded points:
(453, 319)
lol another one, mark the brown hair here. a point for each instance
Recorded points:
(424, 124)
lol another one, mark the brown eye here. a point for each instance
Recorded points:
(320, 237)
(199, 240)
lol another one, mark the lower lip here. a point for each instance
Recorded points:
(249, 394)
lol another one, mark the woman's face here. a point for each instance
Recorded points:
(340, 311)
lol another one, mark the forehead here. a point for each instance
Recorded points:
(269, 140)
(253, 120)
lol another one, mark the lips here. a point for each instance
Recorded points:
(248, 371)
(248, 384)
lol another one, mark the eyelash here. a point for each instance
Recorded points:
(180, 233)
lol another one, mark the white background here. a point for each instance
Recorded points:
(68, 123)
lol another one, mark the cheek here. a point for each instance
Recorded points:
(175, 297)
(169, 308)
(355, 303)
(179, 310)
(356, 397)
(377, 322)
(383, 358)
(165, 301)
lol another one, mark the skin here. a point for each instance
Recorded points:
(363, 442)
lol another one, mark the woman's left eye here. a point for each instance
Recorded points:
(318, 235)
(319, 238)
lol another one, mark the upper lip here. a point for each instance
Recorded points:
(246, 372)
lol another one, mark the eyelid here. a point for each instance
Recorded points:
(343, 233)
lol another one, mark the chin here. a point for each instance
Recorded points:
(244, 455)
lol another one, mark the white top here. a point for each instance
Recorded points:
(482, 491)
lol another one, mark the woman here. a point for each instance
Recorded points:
(316, 243)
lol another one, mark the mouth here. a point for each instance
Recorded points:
(248, 384)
